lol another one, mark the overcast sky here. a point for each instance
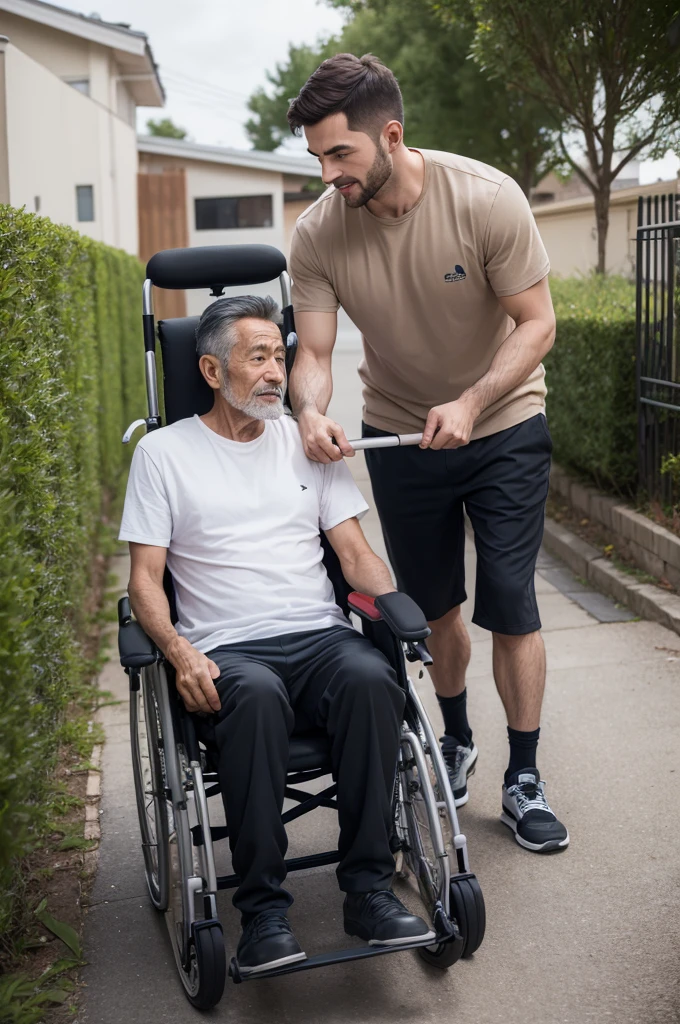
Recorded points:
(214, 53)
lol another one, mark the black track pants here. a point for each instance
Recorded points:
(332, 679)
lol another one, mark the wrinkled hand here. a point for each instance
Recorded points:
(194, 676)
(449, 426)
(318, 433)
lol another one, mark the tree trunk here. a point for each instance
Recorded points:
(601, 195)
(527, 172)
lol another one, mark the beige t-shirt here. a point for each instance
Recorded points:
(422, 289)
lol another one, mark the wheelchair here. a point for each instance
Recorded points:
(174, 773)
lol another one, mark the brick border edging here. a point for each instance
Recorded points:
(92, 805)
(652, 547)
(646, 600)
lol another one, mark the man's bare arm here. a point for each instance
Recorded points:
(361, 567)
(194, 672)
(311, 387)
(523, 350)
(450, 425)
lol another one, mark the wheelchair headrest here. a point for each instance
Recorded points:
(215, 266)
(185, 388)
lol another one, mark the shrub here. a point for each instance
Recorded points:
(590, 374)
(66, 310)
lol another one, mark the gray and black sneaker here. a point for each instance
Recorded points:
(527, 812)
(267, 942)
(461, 763)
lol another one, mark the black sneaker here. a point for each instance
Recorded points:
(381, 919)
(267, 942)
(461, 763)
(527, 813)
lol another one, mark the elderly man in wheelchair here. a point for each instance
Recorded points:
(247, 677)
(260, 646)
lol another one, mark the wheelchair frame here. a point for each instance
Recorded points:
(174, 781)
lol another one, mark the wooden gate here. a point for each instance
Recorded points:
(162, 205)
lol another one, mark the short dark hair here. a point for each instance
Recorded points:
(215, 335)
(360, 87)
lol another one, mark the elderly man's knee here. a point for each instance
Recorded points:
(371, 677)
(253, 687)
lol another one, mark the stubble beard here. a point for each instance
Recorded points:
(377, 176)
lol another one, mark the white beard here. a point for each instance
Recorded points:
(257, 408)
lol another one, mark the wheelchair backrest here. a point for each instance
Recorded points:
(213, 267)
(185, 389)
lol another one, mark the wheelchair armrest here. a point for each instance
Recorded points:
(136, 649)
(403, 616)
(398, 611)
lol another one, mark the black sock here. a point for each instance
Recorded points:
(522, 751)
(454, 711)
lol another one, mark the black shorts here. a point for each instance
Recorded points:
(501, 481)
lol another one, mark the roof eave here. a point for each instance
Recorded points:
(129, 46)
(617, 197)
(223, 155)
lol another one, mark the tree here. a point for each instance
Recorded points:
(607, 70)
(165, 128)
(449, 103)
(269, 127)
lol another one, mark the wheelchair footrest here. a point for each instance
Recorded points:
(339, 956)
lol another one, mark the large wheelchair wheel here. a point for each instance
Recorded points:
(425, 830)
(197, 945)
(150, 788)
(426, 845)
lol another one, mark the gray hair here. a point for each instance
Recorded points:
(215, 334)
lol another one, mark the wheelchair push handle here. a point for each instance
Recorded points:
(388, 441)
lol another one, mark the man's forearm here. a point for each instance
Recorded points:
(517, 358)
(311, 383)
(369, 575)
(152, 611)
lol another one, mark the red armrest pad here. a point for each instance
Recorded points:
(364, 605)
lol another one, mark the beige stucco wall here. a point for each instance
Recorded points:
(291, 212)
(569, 232)
(70, 58)
(570, 236)
(57, 139)
(65, 55)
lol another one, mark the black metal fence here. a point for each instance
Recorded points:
(658, 344)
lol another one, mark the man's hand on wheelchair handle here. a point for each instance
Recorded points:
(194, 674)
(323, 439)
(450, 425)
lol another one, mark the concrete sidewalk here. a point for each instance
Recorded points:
(591, 934)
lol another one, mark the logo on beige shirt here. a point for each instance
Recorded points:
(458, 274)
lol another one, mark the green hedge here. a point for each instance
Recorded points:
(590, 374)
(71, 378)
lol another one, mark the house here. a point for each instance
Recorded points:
(569, 230)
(193, 195)
(551, 188)
(69, 89)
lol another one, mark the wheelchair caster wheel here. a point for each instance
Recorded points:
(467, 909)
(467, 906)
(207, 969)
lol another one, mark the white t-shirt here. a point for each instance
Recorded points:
(241, 524)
